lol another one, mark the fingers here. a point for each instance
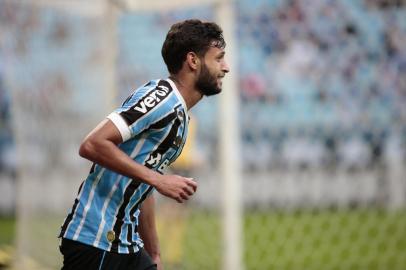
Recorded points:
(191, 183)
(188, 190)
(181, 198)
(184, 196)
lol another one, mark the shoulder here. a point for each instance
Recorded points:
(148, 96)
(153, 96)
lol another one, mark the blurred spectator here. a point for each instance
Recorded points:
(325, 66)
(336, 66)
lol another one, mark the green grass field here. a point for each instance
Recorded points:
(7, 234)
(7, 230)
(311, 240)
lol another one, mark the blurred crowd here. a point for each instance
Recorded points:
(322, 82)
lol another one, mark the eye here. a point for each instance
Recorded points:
(220, 58)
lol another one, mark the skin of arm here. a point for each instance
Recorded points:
(147, 230)
(100, 146)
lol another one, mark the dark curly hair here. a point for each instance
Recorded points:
(190, 36)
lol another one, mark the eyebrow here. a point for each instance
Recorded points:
(221, 54)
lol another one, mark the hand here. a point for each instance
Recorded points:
(176, 187)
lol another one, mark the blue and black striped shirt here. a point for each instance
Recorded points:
(153, 123)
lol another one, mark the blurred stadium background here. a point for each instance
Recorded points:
(322, 125)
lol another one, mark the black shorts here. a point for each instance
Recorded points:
(78, 256)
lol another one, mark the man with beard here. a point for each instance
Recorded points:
(111, 224)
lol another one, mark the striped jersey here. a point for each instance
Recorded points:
(153, 123)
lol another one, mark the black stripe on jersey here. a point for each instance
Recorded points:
(169, 140)
(70, 216)
(130, 230)
(132, 187)
(164, 121)
(153, 159)
(150, 100)
(92, 168)
(161, 149)
(167, 143)
(180, 147)
(143, 197)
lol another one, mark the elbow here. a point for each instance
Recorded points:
(87, 149)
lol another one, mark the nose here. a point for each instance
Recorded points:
(225, 68)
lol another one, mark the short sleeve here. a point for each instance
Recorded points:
(121, 125)
(144, 107)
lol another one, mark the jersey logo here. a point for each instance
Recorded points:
(148, 102)
(154, 160)
(152, 99)
(163, 166)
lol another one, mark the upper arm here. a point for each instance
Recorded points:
(103, 132)
(106, 130)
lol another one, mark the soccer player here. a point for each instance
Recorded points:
(111, 224)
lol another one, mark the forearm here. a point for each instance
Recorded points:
(100, 146)
(147, 228)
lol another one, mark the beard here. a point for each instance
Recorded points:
(207, 82)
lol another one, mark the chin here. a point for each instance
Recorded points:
(212, 92)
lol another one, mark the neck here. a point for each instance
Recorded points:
(187, 89)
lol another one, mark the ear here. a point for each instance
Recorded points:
(192, 60)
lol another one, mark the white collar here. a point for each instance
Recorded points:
(178, 94)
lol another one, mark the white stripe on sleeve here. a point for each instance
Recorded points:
(121, 125)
